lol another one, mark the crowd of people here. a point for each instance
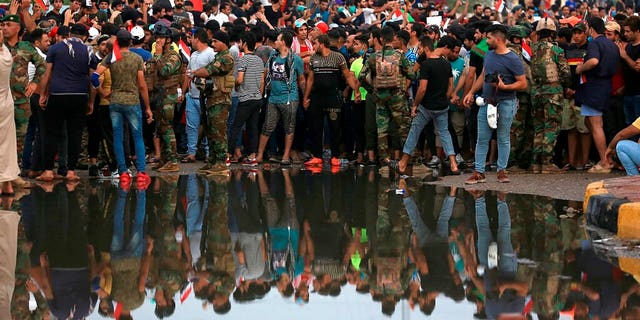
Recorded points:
(398, 84)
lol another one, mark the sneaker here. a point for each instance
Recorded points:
(125, 177)
(227, 162)
(143, 181)
(93, 171)
(516, 170)
(459, 158)
(421, 169)
(335, 162)
(502, 177)
(109, 175)
(435, 161)
(313, 162)
(492, 256)
(476, 177)
(158, 165)
(170, 167)
(551, 168)
(204, 169)
(326, 154)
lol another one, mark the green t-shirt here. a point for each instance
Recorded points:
(124, 78)
(356, 67)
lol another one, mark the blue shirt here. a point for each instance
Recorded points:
(70, 72)
(508, 66)
(280, 91)
(144, 54)
(596, 90)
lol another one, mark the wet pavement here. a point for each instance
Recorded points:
(290, 244)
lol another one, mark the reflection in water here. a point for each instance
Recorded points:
(280, 243)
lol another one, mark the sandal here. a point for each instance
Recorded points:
(188, 159)
(598, 168)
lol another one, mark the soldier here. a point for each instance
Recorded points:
(522, 127)
(169, 66)
(387, 83)
(218, 103)
(23, 52)
(550, 73)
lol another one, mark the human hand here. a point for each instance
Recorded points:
(468, 100)
(414, 110)
(306, 103)
(89, 107)
(43, 102)
(149, 115)
(31, 88)
(500, 85)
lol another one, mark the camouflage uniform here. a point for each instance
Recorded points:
(218, 104)
(23, 53)
(550, 73)
(219, 248)
(522, 126)
(391, 104)
(168, 78)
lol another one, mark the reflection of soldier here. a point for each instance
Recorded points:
(522, 127)
(550, 73)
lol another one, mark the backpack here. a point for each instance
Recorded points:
(387, 71)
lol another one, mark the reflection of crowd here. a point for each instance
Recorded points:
(231, 240)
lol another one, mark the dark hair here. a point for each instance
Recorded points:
(426, 42)
(126, 317)
(404, 36)
(257, 32)
(597, 24)
(388, 307)
(224, 309)
(565, 33)
(334, 288)
(324, 40)
(288, 291)
(235, 31)
(249, 39)
(447, 42)
(287, 37)
(386, 35)
(36, 35)
(271, 35)
(428, 308)
(497, 30)
(333, 35)
(475, 6)
(201, 35)
(418, 28)
(363, 38)
(166, 311)
(633, 22)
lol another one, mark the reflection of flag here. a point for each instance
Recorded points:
(526, 50)
(197, 5)
(184, 49)
(44, 4)
(116, 54)
(185, 294)
(117, 310)
(583, 78)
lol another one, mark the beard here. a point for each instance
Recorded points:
(179, 6)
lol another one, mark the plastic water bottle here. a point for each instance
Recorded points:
(179, 92)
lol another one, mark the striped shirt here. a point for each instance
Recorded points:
(253, 67)
(327, 74)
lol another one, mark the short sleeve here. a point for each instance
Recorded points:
(342, 63)
(140, 64)
(516, 67)
(242, 65)
(593, 50)
(51, 54)
(299, 66)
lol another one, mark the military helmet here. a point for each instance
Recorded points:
(517, 32)
(160, 30)
(546, 23)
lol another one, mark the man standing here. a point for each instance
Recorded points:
(301, 45)
(285, 72)
(125, 104)
(200, 57)
(550, 74)
(168, 79)
(502, 75)
(432, 103)
(218, 103)
(630, 53)
(65, 86)
(322, 98)
(594, 92)
(23, 52)
(387, 71)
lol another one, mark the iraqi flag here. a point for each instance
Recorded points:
(186, 293)
(526, 50)
(184, 50)
(116, 54)
(499, 6)
(44, 4)
(197, 5)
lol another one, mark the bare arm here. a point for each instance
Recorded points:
(588, 65)
(240, 78)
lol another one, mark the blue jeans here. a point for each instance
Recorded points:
(506, 112)
(629, 154)
(120, 247)
(631, 108)
(441, 123)
(194, 111)
(133, 114)
(508, 262)
(423, 233)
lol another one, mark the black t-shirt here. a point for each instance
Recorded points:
(326, 76)
(631, 83)
(477, 62)
(272, 16)
(437, 71)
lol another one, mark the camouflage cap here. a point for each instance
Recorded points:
(11, 18)
(546, 23)
(580, 27)
(517, 32)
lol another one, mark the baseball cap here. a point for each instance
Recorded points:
(300, 22)
(123, 35)
(612, 26)
(137, 33)
(93, 33)
(580, 27)
(78, 29)
(11, 18)
(322, 26)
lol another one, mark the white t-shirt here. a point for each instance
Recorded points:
(369, 15)
(198, 60)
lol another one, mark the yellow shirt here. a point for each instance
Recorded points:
(105, 79)
(636, 123)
